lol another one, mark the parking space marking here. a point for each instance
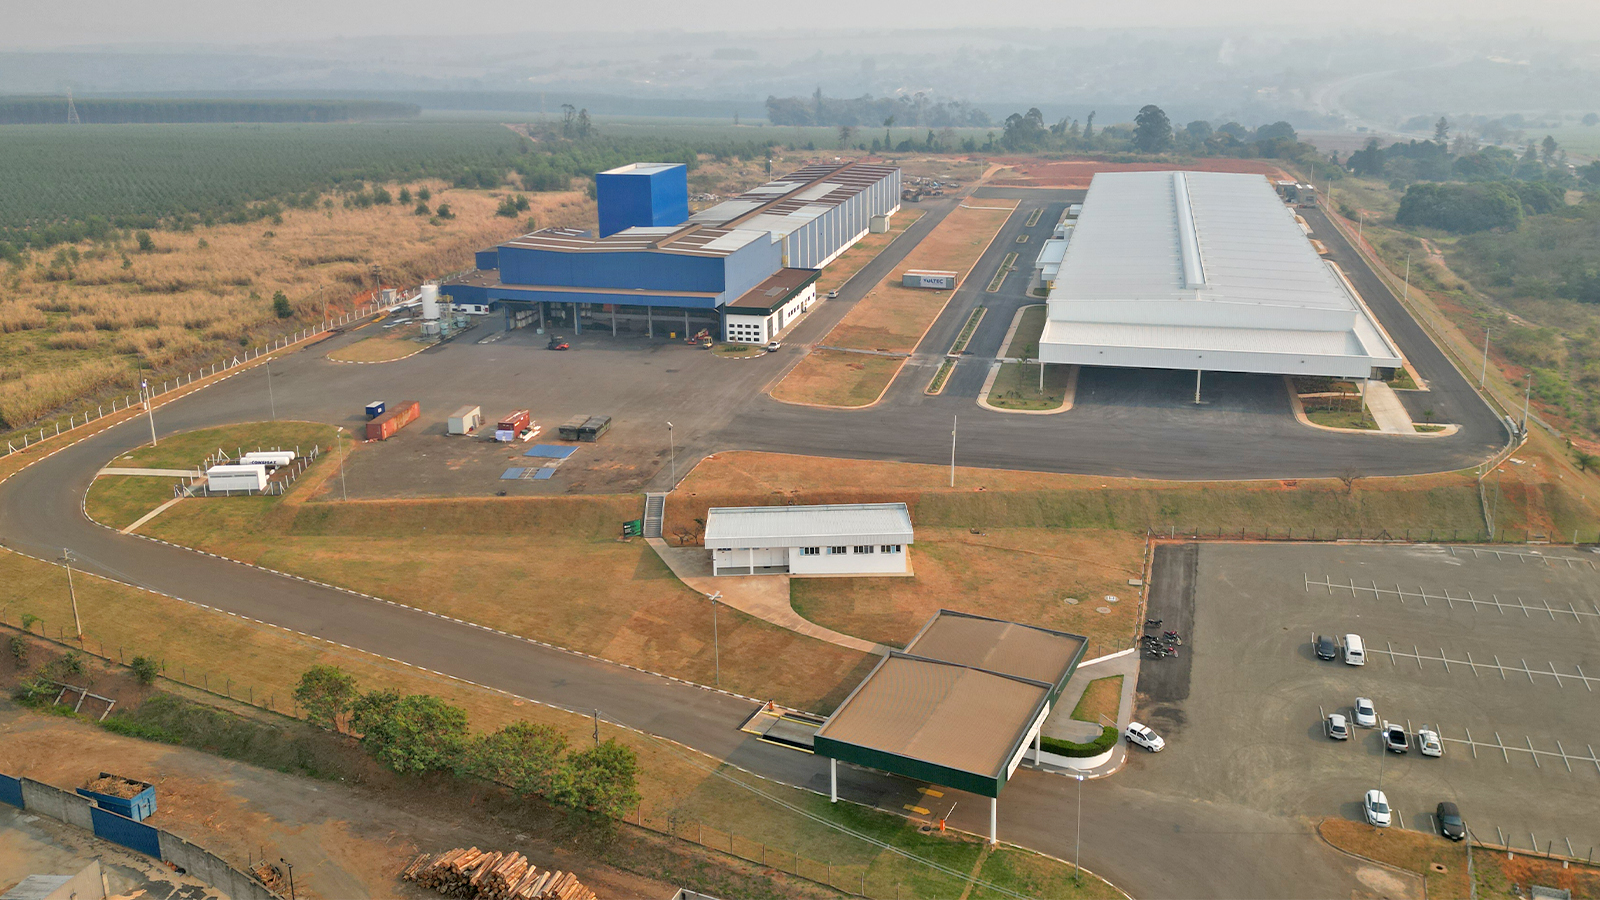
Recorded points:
(1421, 593)
(1588, 681)
(1533, 752)
(1524, 557)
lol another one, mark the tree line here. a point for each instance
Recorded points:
(51, 110)
(1150, 132)
(913, 111)
(420, 734)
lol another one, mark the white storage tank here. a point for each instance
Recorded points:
(430, 301)
(272, 459)
(237, 477)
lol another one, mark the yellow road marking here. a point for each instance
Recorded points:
(917, 809)
(931, 792)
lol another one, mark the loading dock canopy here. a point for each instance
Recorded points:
(959, 706)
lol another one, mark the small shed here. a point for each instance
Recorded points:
(237, 477)
(465, 420)
(829, 539)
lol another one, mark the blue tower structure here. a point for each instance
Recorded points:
(648, 195)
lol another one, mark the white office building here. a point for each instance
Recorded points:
(834, 539)
(1204, 271)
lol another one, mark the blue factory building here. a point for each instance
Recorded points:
(744, 270)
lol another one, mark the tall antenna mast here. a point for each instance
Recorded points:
(72, 111)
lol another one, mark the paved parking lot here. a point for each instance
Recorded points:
(1496, 651)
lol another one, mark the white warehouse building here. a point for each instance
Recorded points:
(1204, 271)
(834, 539)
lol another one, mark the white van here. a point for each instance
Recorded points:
(1355, 652)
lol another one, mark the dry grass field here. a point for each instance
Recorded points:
(387, 345)
(891, 318)
(1413, 851)
(84, 320)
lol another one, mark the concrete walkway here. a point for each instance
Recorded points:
(764, 596)
(1387, 410)
(1061, 724)
(164, 473)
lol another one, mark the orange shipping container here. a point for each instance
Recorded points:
(399, 416)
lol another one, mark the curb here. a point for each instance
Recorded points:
(375, 362)
(1067, 402)
(1299, 410)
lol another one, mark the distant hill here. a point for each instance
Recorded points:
(51, 110)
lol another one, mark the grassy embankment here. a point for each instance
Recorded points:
(707, 801)
(385, 345)
(890, 318)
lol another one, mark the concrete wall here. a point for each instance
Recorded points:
(207, 867)
(60, 805)
(851, 563)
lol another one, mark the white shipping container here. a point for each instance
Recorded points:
(237, 477)
(272, 459)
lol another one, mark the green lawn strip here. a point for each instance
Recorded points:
(1017, 387)
(120, 500)
(187, 450)
(1025, 340)
(1032, 875)
(1343, 418)
(1033, 218)
(940, 377)
(1000, 276)
(1402, 380)
(1102, 697)
(736, 350)
(965, 336)
(1428, 429)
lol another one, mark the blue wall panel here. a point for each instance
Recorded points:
(465, 293)
(625, 270)
(11, 791)
(120, 830)
(647, 198)
(488, 259)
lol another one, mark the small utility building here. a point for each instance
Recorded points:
(958, 707)
(1204, 271)
(834, 539)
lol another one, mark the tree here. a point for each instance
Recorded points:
(1585, 461)
(280, 305)
(507, 208)
(847, 133)
(1348, 476)
(600, 781)
(405, 196)
(444, 211)
(523, 755)
(424, 194)
(1548, 150)
(1024, 131)
(1441, 132)
(1460, 208)
(422, 210)
(888, 123)
(1152, 132)
(146, 243)
(1088, 127)
(1591, 119)
(413, 734)
(144, 669)
(326, 694)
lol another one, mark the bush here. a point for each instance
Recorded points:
(19, 650)
(280, 305)
(1107, 739)
(144, 669)
(146, 243)
(600, 781)
(413, 734)
(523, 755)
(1460, 208)
(326, 694)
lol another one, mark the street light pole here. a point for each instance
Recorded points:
(270, 399)
(954, 420)
(343, 490)
(1526, 393)
(149, 408)
(716, 643)
(672, 454)
(1077, 853)
(77, 624)
(1407, 297)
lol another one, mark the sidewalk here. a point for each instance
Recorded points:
(1062, 725)
(1387, 410)
(764, 596)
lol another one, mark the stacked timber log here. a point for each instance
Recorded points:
(488, 875)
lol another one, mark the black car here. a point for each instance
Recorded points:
(1450, 824)
(1326, 648)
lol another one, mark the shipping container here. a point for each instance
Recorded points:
(141, 806)
(512, 425)
(465, 420)
(939, 281)
(237, 477)
(385, 426)
(374, 409)
(570, 428)
(593, 427)
(272, 459)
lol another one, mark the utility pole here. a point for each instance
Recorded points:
(343, 490)
(672, 454)
(1483, 372)
(716, 643)
(1077, 853)
(1407, 297)
(149, 407)
(77, 624)
(953, 422)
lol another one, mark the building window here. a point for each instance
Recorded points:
(836, 550)
(889, 548)
(863, 548)
(810, 551)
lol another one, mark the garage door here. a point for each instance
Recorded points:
(766, 557)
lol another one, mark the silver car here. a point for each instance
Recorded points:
(1376, 808)
(1366, 714)
(1338, 727)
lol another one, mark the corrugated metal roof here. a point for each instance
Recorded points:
(784, 205)
(942, 713)
(750, 526)
(692, 240)
(1007, 648)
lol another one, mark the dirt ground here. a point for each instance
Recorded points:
(343, 841)
(1029, 172)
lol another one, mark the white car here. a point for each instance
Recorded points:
(1366, 713)
(1376, 809)
(774, 346)
(1338, 727)
(1144, 737)
(1428, 742)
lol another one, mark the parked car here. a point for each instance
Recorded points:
(1326, 648)
(1395, 739)
(774, 346)
(1366, 714)
(1449, 819)
(1428, 742)
(1355, 651)
(1376, 808)
(833, 295)
(1144, 737)
(1338, 727)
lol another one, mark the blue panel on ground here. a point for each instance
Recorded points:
(543, 474)
(122, 830)
(551, 451)
(11, 791)
(511, 474)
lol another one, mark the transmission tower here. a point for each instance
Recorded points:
(72, 111)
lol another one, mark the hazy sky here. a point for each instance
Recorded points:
(41, 24)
